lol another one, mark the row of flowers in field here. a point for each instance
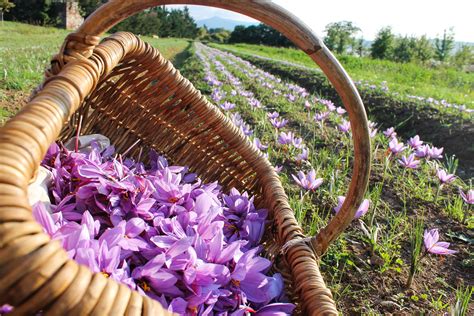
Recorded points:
(409, 156)
(383, 88)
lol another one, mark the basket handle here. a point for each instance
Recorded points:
(87, 36)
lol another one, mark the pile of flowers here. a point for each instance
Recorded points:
(161, 231)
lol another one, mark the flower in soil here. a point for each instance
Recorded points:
(435, 153)
(340, 110)
(329, 105)
(396, 147)
(290, 97)
(273, 115)
(246, 129)
(445, 177)
(345, 126)
(227, 106)
(409, 162)
(433, 245)
(319, 117)
(257, 143)
(308, 181)
(303, 156)
(298, 142)
(415, 142)
(422, 151)
(361, 211)
(468, 197)
(286, 138)
(5, 309)
(279, 123)
(390, 132)
(254, 103)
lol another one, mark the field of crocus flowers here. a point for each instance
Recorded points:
(409, 249)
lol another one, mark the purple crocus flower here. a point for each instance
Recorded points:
(390, 132)
(303, 156)
(361, 211)
(345, 126)
(409, 162)
(433, 245)
(297, 142)
(278, 169)
(340, 110)
(415, 142)
(395, 146)
(273, 115)
(467, 197)
(257, 143)
(5, 309)
(278, 123)
(254, 103)
(445, 177)
(307, 104)
(435, 153)
(422, 151)
(246, 129)
(227, 106)
(286, 138)
(308, 181)
(319, 117)
(290, 97)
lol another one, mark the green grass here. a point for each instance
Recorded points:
(408, 79)
(26, 50)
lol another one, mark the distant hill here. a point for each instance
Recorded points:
(218, 22)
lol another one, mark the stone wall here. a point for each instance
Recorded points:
(70, 15)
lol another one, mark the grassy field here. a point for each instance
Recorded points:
(25, 51)
(409, 79)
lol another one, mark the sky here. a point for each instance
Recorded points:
(406, 17)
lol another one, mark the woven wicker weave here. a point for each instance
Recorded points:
(123, 88)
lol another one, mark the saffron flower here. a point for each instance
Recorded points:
(308, 181)
(390, 132)
(395, 146)
(422, 151)
(409, 162)
(278, 169)
(159, 230)
(467, 197)
(433, 245)
(361, 211)
(321, 116)
(286, 138)
(307, 105)
(415, 142)
(278, 123)
(340, 110)
(298, 142)
(435, 153)
(345, 126)
(303, 156)
(257, 143)
(445, 177)
(227, 106)
(273, 115)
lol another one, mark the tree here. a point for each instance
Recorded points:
(404, 50)
(444, 45)
(259, 34)
(463, 57)
(382, 46)
(5, 6)
(340, 35)
(423, 49)
(89, 6)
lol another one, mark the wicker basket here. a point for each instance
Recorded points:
(123, 88)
